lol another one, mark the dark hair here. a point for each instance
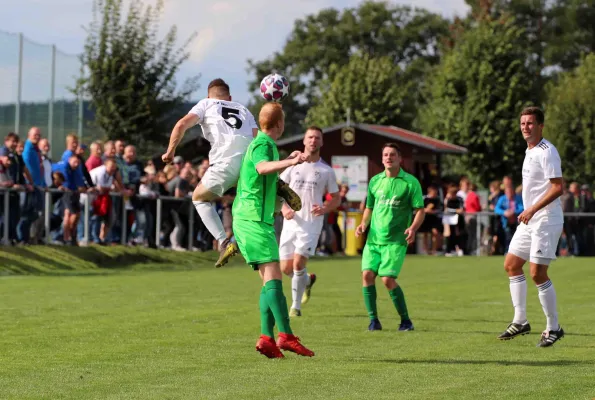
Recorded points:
(12, 135)
(314, 128)
(392, 145)
(220, 85)
(539, 116)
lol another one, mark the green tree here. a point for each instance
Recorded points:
(372, 88)
(571, 32)
(411, 38)
(130, 73)
(474, 100)
(570, 120)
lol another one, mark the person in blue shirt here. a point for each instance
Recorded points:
(32, 210)
(75, 184)
(509, 207)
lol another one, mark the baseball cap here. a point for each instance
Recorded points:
(585, 187)
(4, 151)
(178, 160)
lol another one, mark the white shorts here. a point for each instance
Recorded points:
(538, 244)
(299, 242)
(222, 175)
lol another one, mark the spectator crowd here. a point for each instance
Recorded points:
(451, 224)
(121, 191)
(122, 194)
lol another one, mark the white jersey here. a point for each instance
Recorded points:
(541, 164)
(101, 178)
(311, 181)
(227, 126)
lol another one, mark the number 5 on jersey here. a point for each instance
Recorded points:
(230, 114)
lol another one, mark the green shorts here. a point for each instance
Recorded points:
(257, 242)
(384, 259)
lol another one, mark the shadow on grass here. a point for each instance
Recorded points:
(91, 260)
(553, 363)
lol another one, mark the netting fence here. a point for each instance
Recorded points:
(36, 89)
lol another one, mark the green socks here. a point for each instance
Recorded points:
(278, 305)
(267, 321)
(399, 301)
(370, 301)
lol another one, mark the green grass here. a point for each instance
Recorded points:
(93, 260)
(190, 334)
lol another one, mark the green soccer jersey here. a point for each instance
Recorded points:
(392, 201)
(256, 194)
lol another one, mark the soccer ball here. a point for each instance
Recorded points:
(274, 87)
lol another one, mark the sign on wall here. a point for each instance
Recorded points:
(353, 172)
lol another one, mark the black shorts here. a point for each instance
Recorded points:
(71, 201)
(430, 223)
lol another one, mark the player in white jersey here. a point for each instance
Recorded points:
(301, 229)
(540, 227)
(229, 127)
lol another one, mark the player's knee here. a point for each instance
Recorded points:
(368, 277)
(389, 282)
(287, 267)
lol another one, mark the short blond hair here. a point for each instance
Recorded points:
(71, 136)
(270, 115)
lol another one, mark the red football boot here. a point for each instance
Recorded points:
(267, 347)
(292, 343)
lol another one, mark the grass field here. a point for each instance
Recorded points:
(189, 333)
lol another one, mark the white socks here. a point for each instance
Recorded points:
(211, 219)
(547, 298)
(518, 293)
(298, 286)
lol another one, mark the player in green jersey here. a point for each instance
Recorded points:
(393, 196)
(253, 220)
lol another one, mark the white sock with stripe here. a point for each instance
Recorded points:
(547, 298)
(518, 293)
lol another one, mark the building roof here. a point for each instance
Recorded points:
(395, 133)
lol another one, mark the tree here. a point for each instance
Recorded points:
(475, 97)
(130, 75)
(409, 37)
(570, 120)
(571, 32)
(372, 88)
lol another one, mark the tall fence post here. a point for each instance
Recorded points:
(17, 113)
(158, 223)
(6, 217)
(47, 214)
(86, 222)
(51, 104)
(478, 237)
(191, 227)
(124, 222)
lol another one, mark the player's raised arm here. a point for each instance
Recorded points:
(177, 134)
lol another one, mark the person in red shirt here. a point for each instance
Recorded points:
(94, 159)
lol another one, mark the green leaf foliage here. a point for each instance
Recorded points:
(130, 72)
(475, 97)
(372, 88)
(408, 37)
(570, 121)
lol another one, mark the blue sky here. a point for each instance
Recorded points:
(229, 33)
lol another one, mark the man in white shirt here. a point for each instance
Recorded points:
(229, 127)
(540, 227)
(301, 229)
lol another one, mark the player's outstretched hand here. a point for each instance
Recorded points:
(361, 228)
(168, 157)
(297, 159)
(294, 154)
(410, 235)
(318, 210)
